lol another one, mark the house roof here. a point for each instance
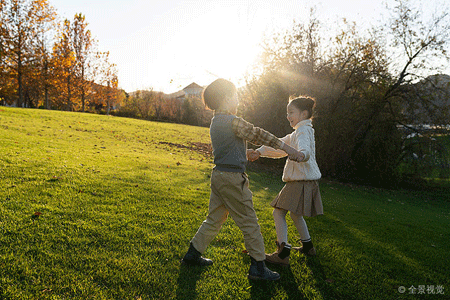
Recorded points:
(175, 95)
(193, 86)
(184, 92)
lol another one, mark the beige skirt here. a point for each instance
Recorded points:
(300, 197)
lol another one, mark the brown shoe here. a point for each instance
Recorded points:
(281, 256)
(310, 252)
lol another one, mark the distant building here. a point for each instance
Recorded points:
(192, 90)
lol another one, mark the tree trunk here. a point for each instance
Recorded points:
(19, 79)
(82, 91)
(69, 103)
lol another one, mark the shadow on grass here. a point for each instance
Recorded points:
(187, 281)
(319, 274)
(288, 285)
(261, 289)
(315, 285)
(302, 286)
(374, 261)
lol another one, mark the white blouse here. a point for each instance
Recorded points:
(301, 139)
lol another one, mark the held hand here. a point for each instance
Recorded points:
(298, 157)
(252, 155)
(293, 154)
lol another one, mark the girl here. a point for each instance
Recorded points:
(300, 196)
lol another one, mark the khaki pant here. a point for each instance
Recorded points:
(230, 195)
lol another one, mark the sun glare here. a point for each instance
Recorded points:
(222, 42)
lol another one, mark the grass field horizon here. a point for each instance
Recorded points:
(102, 207)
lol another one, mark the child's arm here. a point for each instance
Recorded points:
(266, 151)
(255, 135)
(303, 142)
(258, 136)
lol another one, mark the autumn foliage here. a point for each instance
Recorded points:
(157, 106)
(52, 63)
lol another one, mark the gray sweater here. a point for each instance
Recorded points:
(230, 151)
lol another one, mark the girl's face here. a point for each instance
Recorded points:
(294, 115)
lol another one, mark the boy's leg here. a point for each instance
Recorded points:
(217, 215)
(237, 198)
(209, 229)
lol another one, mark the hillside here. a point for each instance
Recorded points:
(429, 101)
(101, 207)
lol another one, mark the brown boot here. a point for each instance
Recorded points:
(281, 256)
(307, 249)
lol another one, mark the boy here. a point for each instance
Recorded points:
(230, 192)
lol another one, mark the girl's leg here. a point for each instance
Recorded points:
(281, 256)
(302, 229)
(279, 216)
(301, 226)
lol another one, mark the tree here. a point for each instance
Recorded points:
(105, 74)
(139, 105)
(5, 80)
(360, 96)
(18, 40)
(357, 75)
(423, 41)
(64, 61)
(171, 109)
(292, 64)
(85, 76)
(21, 24)
(82, 43)
(44, 24)
(419, 42)
(43, 62)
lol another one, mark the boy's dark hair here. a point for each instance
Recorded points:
(215, 94)
(304, 103)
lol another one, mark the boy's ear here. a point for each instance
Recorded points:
(230, 101)
(305, 114)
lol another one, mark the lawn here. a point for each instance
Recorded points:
(100, 207)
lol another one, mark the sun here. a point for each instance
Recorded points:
(222, 42)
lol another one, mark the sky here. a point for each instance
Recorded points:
(165, 45)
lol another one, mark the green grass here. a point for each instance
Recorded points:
(121, 198)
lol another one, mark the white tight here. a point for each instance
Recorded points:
(279, 215)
